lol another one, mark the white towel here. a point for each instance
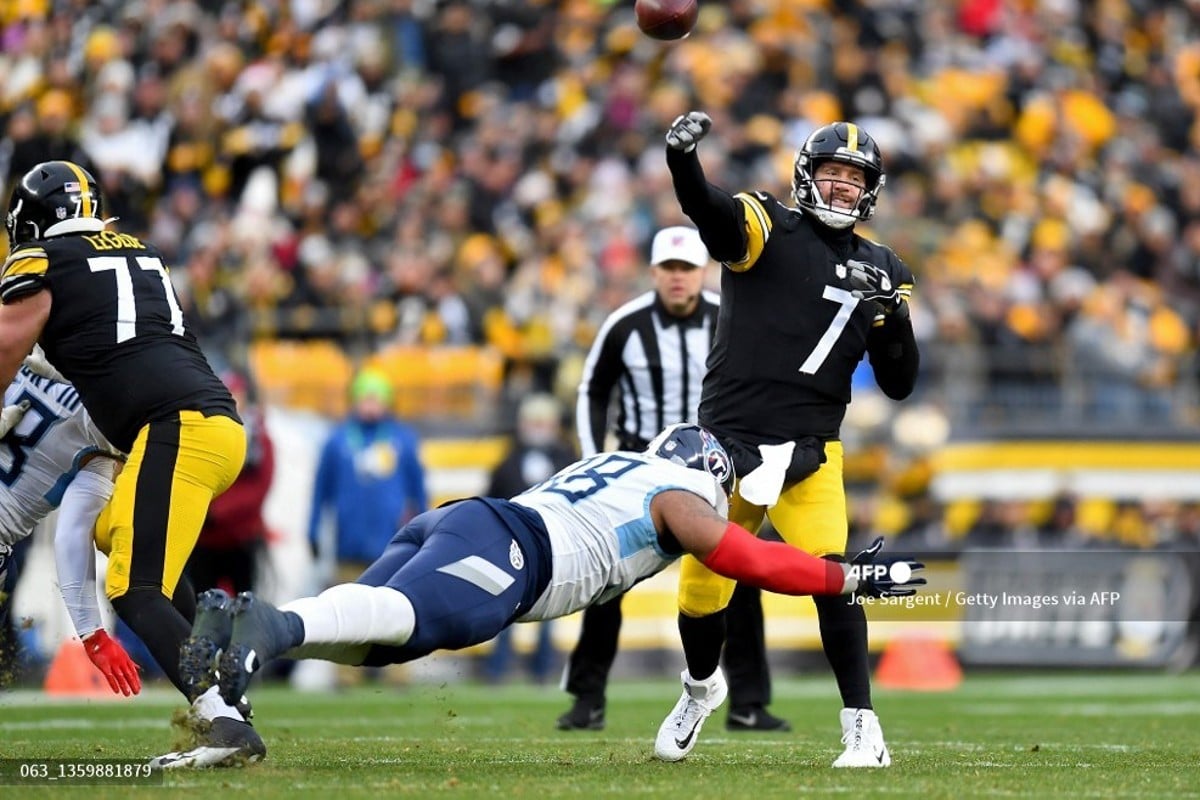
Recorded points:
(763, 485)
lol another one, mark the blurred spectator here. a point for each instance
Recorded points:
(215, 313)
(234, 534)
(992, 528)
(41, 132)
(339, 164)
(1126, 345)
(369, 479)
(538, 451)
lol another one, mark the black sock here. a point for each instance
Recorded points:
(703, 638)
(184, 599)
(844, 637)
(159, 625)
(295, 627)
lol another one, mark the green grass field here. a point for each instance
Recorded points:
(1078, 735)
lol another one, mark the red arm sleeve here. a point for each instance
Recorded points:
(774, 566)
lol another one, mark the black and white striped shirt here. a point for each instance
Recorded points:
(657, 361)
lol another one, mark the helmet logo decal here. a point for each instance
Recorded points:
(717, 463)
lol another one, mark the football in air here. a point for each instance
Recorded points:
(666, 19)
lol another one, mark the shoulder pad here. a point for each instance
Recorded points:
(24, 271)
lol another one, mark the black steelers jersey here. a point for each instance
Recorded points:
(790, 333)
(116, 330)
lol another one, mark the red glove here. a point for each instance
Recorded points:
(111, 659)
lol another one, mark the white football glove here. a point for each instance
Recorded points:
(38, 365)
(11, 416)
(687, 130)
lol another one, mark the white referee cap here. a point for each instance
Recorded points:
(679, 243)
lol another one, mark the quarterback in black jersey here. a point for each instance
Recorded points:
(102, 306)
(803, 299)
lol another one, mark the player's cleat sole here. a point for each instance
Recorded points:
(210, 635)
(228, 743)
(260, 633)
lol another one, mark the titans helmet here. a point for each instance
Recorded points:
(695, 448)
(845, 143)
(53, 198)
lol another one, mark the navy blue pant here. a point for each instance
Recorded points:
(455, 564)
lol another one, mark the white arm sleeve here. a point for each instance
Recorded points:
(74, 551)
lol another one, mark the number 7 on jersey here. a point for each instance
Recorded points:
(821, 352)
(121, 268)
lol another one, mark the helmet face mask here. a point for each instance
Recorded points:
(693, 447)
(52, 198)
(842, 143)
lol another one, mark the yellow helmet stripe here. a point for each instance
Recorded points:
(85, 191)
(851, 137)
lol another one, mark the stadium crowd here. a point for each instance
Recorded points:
(490, 172)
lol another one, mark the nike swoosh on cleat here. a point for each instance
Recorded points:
(682, 743)
(749, 721)
(879, 756)
(165, 761)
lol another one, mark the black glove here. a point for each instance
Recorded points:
(869, 282)
(687, 130)
(884, 577)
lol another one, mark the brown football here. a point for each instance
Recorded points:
(666, 19)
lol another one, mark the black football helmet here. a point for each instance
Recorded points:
(695, 448)
(849, 144)
(50, 199)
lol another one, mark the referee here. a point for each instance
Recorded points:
(653, 350)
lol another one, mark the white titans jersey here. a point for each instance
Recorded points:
(41, 455)
(602, 537)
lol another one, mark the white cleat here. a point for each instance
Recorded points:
(227, 743)
(197, 758)
(679, 731)
(863, 739)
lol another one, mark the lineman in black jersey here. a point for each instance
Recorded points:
(102, 306)
(803, 299)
